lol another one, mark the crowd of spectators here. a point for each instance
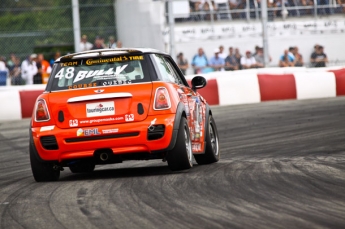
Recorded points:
(234, 60)
(34, 68)
(203, 9)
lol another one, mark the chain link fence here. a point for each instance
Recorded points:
(40, 26)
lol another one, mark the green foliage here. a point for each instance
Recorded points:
(28, 25)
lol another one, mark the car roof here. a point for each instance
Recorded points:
(110, 52)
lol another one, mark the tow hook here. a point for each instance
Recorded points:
(58, 167)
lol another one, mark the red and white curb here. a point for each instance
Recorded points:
(223, 88)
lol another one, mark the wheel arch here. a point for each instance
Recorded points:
(180, 112)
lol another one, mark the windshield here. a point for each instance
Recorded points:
(96, 71)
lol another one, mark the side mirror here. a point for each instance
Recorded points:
(198, 82)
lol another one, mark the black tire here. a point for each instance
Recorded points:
(212, 145)
(181, 156)
(42, 171)
(82, 167)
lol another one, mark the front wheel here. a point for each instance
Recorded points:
(212, 145)
(42, 171)
(181, 156)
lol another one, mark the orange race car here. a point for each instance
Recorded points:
(110, 105)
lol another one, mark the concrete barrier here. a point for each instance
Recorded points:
(258, 85)
(223, 88)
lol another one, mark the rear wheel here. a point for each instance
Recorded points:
(42, 171)
(212, 145)
(181, 157)
(82, 167)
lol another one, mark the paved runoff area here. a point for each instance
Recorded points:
(282, 166)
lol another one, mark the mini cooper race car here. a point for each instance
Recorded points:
(111, 105)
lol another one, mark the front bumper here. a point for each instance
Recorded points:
(125, 138)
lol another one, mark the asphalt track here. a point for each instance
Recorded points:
(282, 166)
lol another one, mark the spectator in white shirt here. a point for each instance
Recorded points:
(84, 44)
(221, 53)
(111, 43)
(29, 69)
(2, 65)
(248, 61)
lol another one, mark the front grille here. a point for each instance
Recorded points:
(101, 137)
(49, 142)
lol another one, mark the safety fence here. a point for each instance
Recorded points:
(46, 27)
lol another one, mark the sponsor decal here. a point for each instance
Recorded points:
(70, 63)
(46, 128)
(101, 120)
(100, 109)
(116, 82)
(87, 132)
(99, 91)
(136, 57)
(129, 117)
(69, 73)
(110, 131)
(73, 122)
(152, 123)
(76, 86)
(196, 147)
(108, 60)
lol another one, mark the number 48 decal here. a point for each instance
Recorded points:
(69, 73)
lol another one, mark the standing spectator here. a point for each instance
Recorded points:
(182, 63)
(298, 57)
(84, 44)
(112, 43)
(341, 6)
(230, 61)
(248, 61)
(286, 60)
(29, 69)
(256, 48)
(10, 62)
(315, 49)
(37, 79)
(15, 73)
(291, 53)
(259, 58)
(3, 65)
(119, 44)
(319, 58)
(238, 57)
(199, 61)
(46, 69)
(56, 56)
(99, 43)
(217, 62)
(323, 10)
(222, 54)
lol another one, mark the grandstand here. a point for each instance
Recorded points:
(209, 24)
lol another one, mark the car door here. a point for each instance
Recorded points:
(195, 107)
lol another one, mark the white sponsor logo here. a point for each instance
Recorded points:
(46, 128)
(129, 117)
(73, 122)
(100, 109)
(110, 131)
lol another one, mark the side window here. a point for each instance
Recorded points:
(174, 72)
(165, 71)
